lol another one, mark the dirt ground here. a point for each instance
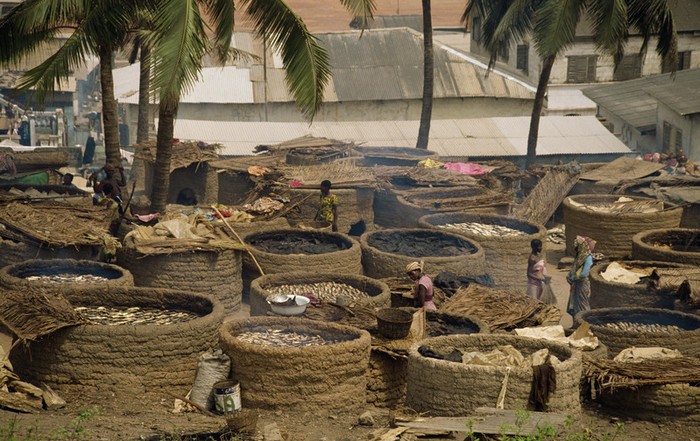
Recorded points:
(103, 417)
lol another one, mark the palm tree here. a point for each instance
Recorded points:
(552, 24)
(428, 78)
(98, 28)
(179, 42)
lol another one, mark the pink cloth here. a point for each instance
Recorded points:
(465, 168)
(428, 284)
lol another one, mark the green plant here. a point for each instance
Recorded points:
(76, 428)
(12, 432)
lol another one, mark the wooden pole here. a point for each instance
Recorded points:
(252, 256)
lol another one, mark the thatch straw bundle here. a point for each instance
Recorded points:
(501, 310)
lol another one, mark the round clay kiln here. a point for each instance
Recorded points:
(455, 388)
(664, 403)
(679, 245)
(395, 208)
(323, 376)
(64, 274)
(213, 272)
(612, 223)
(386, 253)
(506, 242)
(354, 206)
(292, 250)
(611, 294)
(393, 156)
(621, 328)
(322, 285)
(12, 252)
(130, 358)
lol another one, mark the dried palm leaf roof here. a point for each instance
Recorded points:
(343, 174)
(184, 153)
(307, 141)
(56, 224)
(33, 313)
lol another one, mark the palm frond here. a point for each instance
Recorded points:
(222, 13)
(178, 44)
(305, 60)
(610, 26)
(363, 9)
(555, 25)
(654, 18)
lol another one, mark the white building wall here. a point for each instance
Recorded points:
(651, 63)
(446, 108)
(685, 123)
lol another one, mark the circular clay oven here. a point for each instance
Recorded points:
(678, 403)
(64, 274)
(290, 250)
(386, 253)
(611, 294)
(12, 252)
(678, 245)
(275, 374)
(216, 273)
(403, 208)
(355, 206)
(324, 286)
(454, 388)
(621, 328)
(612, 220)
(131, 358)
(506, 242)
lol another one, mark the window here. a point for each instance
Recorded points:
(629, 68)
(5, 9)
(682, 62)
(476, 28)
(581, 69)
(672, 140)
(503, 53)
(521, 55)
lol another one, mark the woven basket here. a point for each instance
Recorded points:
(243, 421)
(394, 323)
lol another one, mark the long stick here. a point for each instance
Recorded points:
(252, 256)
(190, 402)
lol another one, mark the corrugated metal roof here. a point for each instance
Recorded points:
(484, 137)
(382, 65)
(221, 85)
(635, 101)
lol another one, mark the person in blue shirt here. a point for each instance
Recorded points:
(580, 292)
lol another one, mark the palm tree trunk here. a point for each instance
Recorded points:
(547, 64)
(428, 78)
(144, 89)
(164, 151)
(109, 108)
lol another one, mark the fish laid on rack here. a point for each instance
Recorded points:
(111, 316)
(282, 338)
(323, 291)
(64, 278)
(483, 229)
(641, 327)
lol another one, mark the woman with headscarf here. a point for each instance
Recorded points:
(423, 290)
(580, 292)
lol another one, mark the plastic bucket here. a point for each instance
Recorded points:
(227, 396)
